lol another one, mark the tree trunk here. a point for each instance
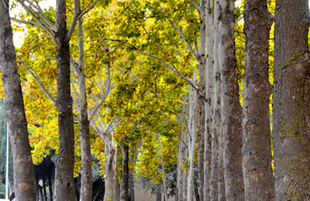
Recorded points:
(191, 129)
(291, 121)
(216, 111)
(158, 193)
(231, 113)
(111, 179)
(86, 167)
(256, 153)
(182, 157)
(210, 99)
(64, 183)
(201, 100)
(24, 179)
(125, 175)
(131, 187)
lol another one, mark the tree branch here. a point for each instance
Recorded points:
(28, 23)
(77, 16)
(198, 7)
(33, 74)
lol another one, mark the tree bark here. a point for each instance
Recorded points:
(86, 166)
(256, 153)
(291, 121)
(210, 98)
(64, 183)
(231, 113)
(216, 111)
(24, 179)
(201, 99)
(125, 175)
(191, 129)
(111, 179)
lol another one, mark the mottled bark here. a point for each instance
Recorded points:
(86, 166)
(125, 174)
(291, 119)
(210, 98)
(112, 191)
(64, 183)
(201, 99)
(24, 179)
(182, 159)
(256, 153)
(231, 113)
(191, 129)
(216, 112)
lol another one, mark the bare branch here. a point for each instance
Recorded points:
(195, 54)
(202, 13)
(77, 15)
(108, 85)
(49, 23)
(43, 24)
(170, 68)
(28, 23)
(38, 81)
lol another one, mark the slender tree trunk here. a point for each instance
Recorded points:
(291, 119)
(201, 100)
(231, 113)
(182, 158)
(24, 179)
(191, 129)
(125, 175)
(86, 167)
(131, 187)
(256, 153)
(210, 99)
(217, 111)
(64, 183)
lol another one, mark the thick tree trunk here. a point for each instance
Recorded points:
(231, 113)
(112, 192)
(86, 167)
(291, 120)
(24, 179)
(210, 99)
(256, 153)
(64, 183)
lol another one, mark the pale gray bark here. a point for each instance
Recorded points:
(191, 132)
(112, 190)
(291, 119)
(256, 153)
(215, 135)
(201, 99)
(24, 179)
(210, 99)
(182, 158)
(86, 166)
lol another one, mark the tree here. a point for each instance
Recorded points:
(256, 153)
(231, 113)
(64, 184)
(291, 119)
(15, 112)
(209, 12)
